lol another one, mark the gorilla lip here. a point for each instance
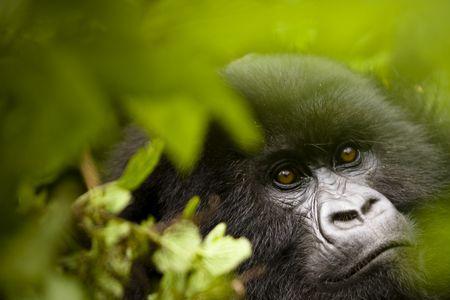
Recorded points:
(365, 262)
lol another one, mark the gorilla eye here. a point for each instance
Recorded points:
(286, 177)
(348, 154)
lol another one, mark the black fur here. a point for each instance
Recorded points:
(311, 105)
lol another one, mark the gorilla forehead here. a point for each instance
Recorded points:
(308, 100)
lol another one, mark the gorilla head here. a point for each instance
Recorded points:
(325, 202)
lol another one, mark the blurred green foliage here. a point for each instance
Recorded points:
(72, 73)
(191, 268)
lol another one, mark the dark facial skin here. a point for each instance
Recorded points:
(325, 202)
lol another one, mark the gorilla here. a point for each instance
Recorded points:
(325, 202)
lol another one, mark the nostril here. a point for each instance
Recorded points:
(346, 219)
(368, 205)
(344, 216)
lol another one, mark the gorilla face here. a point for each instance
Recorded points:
(340, 230)
(325, 202)
(351, 225)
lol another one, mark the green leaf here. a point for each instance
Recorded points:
(217, 233)
(152, 296)
(108, 284)
(234, 115)
(110, 197)
(56, 102)
(221, 254)
(203, 285)
(191, 207)
(434, 242)
(179, 245)
(198, 282)
(172, 286)
(179, 120)
(29, 256)
(141, 165)
(62, 287)
(114, 231)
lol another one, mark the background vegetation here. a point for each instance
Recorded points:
(74, 73)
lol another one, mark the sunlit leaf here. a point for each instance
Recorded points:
(141, 165)
(114, 231)
(110, 197)
(179, 245)
(221, 254)
(191, 207)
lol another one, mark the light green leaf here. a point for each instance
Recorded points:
(107, 283)
(111, 197)
(179, 244)
(215, 234)
(141, 165)
(221, 254)
(172, 286)
(191, 207)
(114, 231)
(203, 285)
(198, 282)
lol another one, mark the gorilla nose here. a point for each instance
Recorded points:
(353, 216)
(343, 216)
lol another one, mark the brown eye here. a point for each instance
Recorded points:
(348, 154)
(286, 177)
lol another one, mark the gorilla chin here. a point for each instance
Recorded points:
(326, 201)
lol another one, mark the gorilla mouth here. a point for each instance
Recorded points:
(365, 263)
